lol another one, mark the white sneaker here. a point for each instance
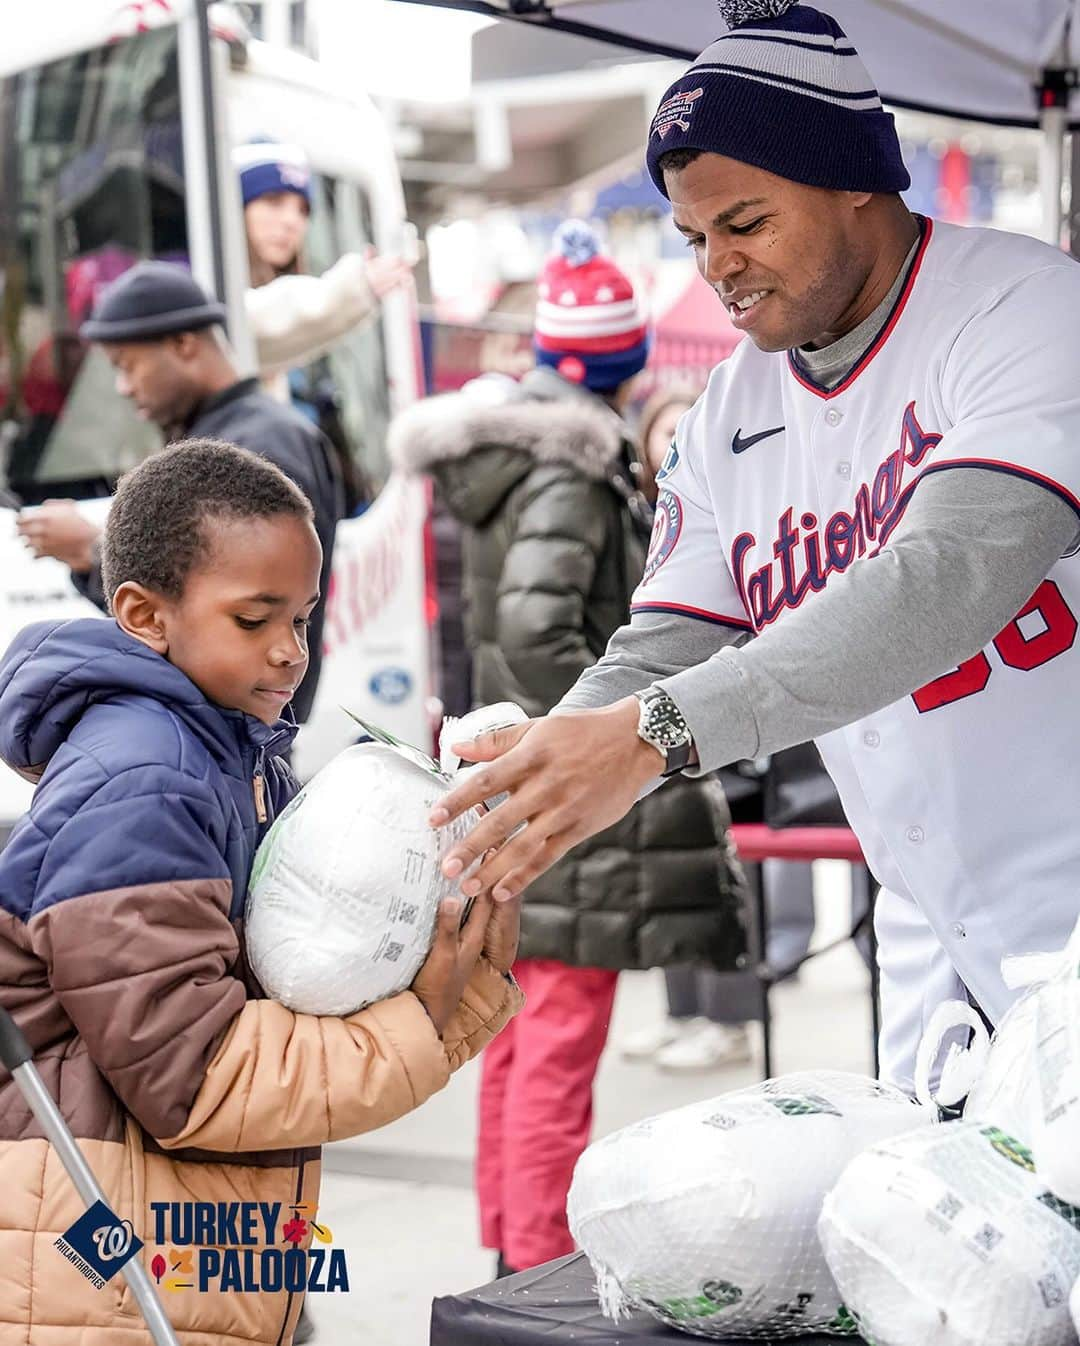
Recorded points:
(646, 1042)
(709, 1047)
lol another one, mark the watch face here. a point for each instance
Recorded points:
(665, 727)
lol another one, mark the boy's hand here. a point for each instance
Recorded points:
(502, 934)
(440, 983)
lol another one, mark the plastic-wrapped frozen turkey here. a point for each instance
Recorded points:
(1030, 1086)
(346, 885)
(707, 1216)
(950, 1237)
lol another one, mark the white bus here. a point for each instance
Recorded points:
(116, 125)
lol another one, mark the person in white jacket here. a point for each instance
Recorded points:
(294, 317)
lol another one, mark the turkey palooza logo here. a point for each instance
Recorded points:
(245, 1247)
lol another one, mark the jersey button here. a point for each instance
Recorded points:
(959, 931)
(871, 738)
(915, 835)
(833, 417)
(843, 470)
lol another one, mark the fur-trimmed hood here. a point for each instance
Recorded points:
(453, 425)
(481, 441)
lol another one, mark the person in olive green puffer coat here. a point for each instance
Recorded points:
(554, 542)
(555, 533)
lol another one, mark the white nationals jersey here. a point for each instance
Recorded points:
(966, 795)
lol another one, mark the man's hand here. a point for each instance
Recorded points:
(567, 776)
(56, 528)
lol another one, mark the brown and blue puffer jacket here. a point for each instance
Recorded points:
(121, 958)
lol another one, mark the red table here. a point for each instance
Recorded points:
(756, 842)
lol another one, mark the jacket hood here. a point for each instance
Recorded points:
(53, 672)
(544, 417)
(479, 448)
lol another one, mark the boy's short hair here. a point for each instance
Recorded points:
(156, 535)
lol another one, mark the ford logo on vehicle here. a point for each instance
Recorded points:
(392, 686)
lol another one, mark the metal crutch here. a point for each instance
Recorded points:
(15, 1053)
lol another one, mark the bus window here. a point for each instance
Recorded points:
(91, 180)
(353, 375)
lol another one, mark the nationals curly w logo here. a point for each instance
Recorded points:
(99, 1244)
(113, 1240)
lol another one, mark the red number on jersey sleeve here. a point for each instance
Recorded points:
(971, 677)
(1060, 631)
(1016, 650)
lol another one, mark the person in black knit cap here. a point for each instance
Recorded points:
(163, 336)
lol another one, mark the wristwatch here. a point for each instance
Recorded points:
(661, 724)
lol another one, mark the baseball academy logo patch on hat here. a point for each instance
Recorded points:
(675, 112)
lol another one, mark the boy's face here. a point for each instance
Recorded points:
(239, 630)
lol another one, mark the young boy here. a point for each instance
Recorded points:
(156, 740)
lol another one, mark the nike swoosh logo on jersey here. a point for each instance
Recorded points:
(740, 445)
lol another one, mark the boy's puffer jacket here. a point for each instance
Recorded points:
(121, 957)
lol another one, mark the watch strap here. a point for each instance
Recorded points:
(677, 758)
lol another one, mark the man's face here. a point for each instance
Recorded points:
(239, 630)
(788, 261)
(157, 376)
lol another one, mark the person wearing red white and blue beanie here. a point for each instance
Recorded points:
(589, 326)
(537, 476)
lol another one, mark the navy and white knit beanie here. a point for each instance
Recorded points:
(786, 91)
(267, 166)
(590, 326)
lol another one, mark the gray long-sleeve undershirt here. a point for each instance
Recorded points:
(971, 549)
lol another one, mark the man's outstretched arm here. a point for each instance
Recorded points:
(655, 645)
(971, 549)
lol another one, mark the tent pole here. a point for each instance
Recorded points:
(1052, 93)
(1074, 207)
(1051, 171)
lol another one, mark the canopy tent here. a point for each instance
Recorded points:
(983, 60)
(70, 26)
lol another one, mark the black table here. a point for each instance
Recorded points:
(554, 1303)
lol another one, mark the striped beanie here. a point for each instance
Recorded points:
(266, 166)
(589, 326)
(786, 91)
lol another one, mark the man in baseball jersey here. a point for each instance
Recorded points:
(865, 534)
